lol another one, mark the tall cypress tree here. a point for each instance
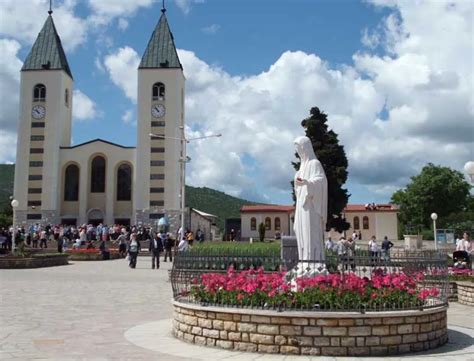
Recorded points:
(333, 158)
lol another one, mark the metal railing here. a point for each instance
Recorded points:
(427, 271)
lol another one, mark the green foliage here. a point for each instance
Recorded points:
(334, 161)
(215, 202)
(7, 175)
(261, 231)
(459, 222)
(436, 189)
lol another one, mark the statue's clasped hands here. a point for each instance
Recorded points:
(301, 181)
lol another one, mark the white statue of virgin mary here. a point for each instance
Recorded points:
(311, 189)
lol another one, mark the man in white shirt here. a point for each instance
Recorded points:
(329, 244)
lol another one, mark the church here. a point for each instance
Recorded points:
(99, 181)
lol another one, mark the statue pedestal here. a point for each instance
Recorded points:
(289, 250)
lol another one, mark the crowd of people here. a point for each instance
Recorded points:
(128, 239)
(346, 248)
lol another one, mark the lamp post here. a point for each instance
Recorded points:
(14, 203)
(183, 160)
(434, 217)
(469, 169)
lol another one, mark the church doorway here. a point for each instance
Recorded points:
(95, 217)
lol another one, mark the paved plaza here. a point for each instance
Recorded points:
(106, 311)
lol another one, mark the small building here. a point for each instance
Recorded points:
(277, 219)
(377, 220)
(370, 220)
(206, 222)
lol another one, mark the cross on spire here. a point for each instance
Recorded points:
(50, 11)
(163, 9)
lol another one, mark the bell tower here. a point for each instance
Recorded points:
(160, 112)
(44, 126)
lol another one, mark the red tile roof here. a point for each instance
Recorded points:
(266, 208)
(289, 209)
(379, 208)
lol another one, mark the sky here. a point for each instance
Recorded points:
(394, 76)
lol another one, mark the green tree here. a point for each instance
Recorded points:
(334, 161)
(436, 189)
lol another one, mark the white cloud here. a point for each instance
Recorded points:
(83, 107)
(211, 29)
(104, 11)
(122, 68)
(122, 24)
(22, 20)
(127, 118)
(185, 5)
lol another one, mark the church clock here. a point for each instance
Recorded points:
(38, 112)
(158, 111)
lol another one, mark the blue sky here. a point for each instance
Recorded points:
(367, 64)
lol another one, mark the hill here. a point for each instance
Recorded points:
(205, 199)
(215, 202)
(7, 175)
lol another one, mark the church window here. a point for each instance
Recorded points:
(277, 224)
(98, 175)
(356, 223)
(71, 183)
(157, 203)
(268, 223)
(66, 97)
(365, 222)
(157, 190)
(39, 93)
(124, 183)
(253, 224)
(158, 92)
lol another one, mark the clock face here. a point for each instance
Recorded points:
(158, 111)
(38, 112)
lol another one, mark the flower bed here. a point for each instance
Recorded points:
(254, 288)
(90, 254)
(34, 261)
(311, 333)
(466, 293)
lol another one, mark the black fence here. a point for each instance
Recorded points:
(402, 280)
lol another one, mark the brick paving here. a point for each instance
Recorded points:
(106, 311)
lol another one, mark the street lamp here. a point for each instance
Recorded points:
(469, 169)
(183, 160)
(14, 203)
(434, 217)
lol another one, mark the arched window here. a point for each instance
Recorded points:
(158, 92)
(98, 175)
(39, 93)
(66, 97)
(268, 223)
(124, 183)
(356, 223)
(365, 222)
(71, 183)
(253, 224)
(277, 224)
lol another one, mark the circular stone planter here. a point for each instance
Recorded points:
(33, 262)
(465, 293)
(311, 333)
(91, 256)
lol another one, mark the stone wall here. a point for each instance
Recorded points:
(32, 262)
(466, 293)
(311, 333)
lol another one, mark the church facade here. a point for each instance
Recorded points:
(99, 181)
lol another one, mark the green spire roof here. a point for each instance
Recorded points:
(47, 51)
(161, 52)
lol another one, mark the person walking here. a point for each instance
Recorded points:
(122, 242)
(373, 250)
(168, 243)
(133, 249)
(43, 240)
(155, 248)
(386, 246)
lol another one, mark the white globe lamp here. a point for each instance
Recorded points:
(434, 217)
(469, 169)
